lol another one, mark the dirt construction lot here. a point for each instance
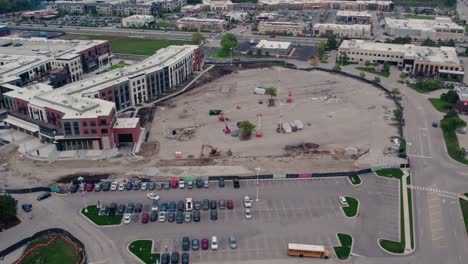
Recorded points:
(340, 115)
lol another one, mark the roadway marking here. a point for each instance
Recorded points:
(419, 156)
(439, 192)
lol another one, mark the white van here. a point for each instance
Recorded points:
(260, 90)
(188, 204)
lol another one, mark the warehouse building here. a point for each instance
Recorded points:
(280, 27)
(201, 24)
(265, 47)
(441, 28)
(343, 31)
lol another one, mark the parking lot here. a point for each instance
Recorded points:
(286, 212)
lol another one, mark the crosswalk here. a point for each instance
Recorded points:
(435, 190)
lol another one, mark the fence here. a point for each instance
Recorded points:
(51, 231)
(29, 190)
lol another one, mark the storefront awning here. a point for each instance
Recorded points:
(452, 72)
(22, 124)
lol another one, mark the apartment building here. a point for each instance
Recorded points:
(280, 27)
(353, 17)
(82, 115)
(441, 28)
(343, 30)
(137, 21)
(418, 60)
(201, 24)
(359, 5)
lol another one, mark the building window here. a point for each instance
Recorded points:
(104, 131)
(102, 122)
(76, 128)
(93, 131)
(92, 123)
(85, 124)
(67, 128)
(86, 131)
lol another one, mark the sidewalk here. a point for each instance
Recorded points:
(406, 213)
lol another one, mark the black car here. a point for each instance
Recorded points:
(43, 196)
(172, 206)
(27, 207)
(236, 183)
(112, 209)
(221, 182)
(185, 258)
(138, 207)
(163, 207)
(129, 186)
(129, 208)
(151, 185)
(153, 216)
(165, 259)
(214, 215)
(180, 206)
(196, 205)
(171, 217)
(175, 257)
(180, 217)
(213, 204)
(434, 124)
(106, 186)
(196, 216)
(185, 243)
(74, 188)
(199, 183)
(136, 186)
(121, 209)
(206, 204)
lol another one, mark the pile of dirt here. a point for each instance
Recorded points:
(302, 149)
(182, 134)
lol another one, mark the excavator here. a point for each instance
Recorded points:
(213, 151)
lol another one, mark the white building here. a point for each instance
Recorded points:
(419, 60)
(201, 24)
(265, 47)
(192, 8)
(441, 28)
(280, 27)
(353, 17)
(343, 30)
(218, 5)
(137, 21)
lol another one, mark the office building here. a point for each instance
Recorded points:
(342, 30)
(137, 21)
(353, 17)
(279, 27)
(201, 24)
(441, 28)
(265, 47)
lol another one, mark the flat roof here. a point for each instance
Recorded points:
(286, 23)
(423, 24)
(208, 20)
(265, 44)
(276, 2)
(126, 122)
(353, 13)
(343, 26)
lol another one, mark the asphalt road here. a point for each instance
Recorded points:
(301, 211)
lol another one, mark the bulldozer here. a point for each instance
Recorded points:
(213, 151)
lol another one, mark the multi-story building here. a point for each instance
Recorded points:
(441, 28)
(418, 60)
(462, 104)
(82, 115)
(359, 5)
(218, 5)
(192, 8)
(137, 21)
(201, 24)
(280, 27)
(353, 17)
(343, 30)
(40, 14)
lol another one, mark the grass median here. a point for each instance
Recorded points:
(352, 209)
(343, 251)
(58, 251)
(440, 105)
(464, 209)
(372, 70)
(355, 179)
(101, 220)
(143, 250)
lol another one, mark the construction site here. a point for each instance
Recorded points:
(308, 116)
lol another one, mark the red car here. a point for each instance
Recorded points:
(89, 187)
(205, 244)
(174, 184)
(144, 218)
(230, 204)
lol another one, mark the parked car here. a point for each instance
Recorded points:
(121, 186)
(199, 183)
(190, 184)
(163, 207)
(185, 243)
(113, 186)
(188, 204)
(247, 202)
(162, 217)
(112, 209)
(43, 196)
(151, 186)
(196, 216)
(155, 206)
(167, 186)
(74, 188)
(230, 204)
(180, 217)
(104, 210)
(206, 204)
(214, 215)
(172, 206)
(232, 242)
(173, 184)
(159, 186)
(138, 207)
(214, 243)
(195, 244)
(26, 207)
(204, 244)
(222, 204)
(165, 258)
(206, 184)
(106, 186)
(136, 186)
(213, 204)
(434, 124)
(98, 187)
(121, 209)
(188, 217)
(144, 218)
(89, 187)
(236, 183)
(197, 205)
(248, 213)
(130, 207)
(181, 184)
(185, 258)
(153, 216)
(343, 201)
(144, 186)
(221, 182)
(82, 187)
(175, 257)
(171, 217)
(127, 218)
(129, 186)
(180, 206)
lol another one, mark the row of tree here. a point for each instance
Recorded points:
(8, 6)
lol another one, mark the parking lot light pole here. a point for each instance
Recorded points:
(164, 119)
(257, 169)
(83, 194)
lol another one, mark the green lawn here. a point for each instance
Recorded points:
(464, 209)
(103, 220)
(166, 25)
(344, 250)
(372, 70)
(115, 66)
(59, 251)
(410, 206)
(352, 209)
(355, 179)
(440, 105)
(390, 173)
(413, 16)
(86, 37)
(142, 249)
(453, 148)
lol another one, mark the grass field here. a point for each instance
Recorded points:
(131, 46)
(453, 147)
(372, 70)
(440, 105)
(355, 179)
(142, 249)
(344, 250)
(413, 16)
(464, 209)
(92, 214)
(115, 66)
(59, 251)
(352, 209)
(390, 173)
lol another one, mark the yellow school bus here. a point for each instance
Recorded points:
(311, 251)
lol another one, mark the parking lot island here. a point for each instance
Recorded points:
(343, 251)
(353, 207)
(101, 220)
(142, 250)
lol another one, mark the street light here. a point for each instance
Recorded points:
(231, 55)
(164, 119)
(82, 194)
(257, 169)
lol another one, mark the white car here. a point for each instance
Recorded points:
(113, 186)
(121, 186)
(214, 243)
(127, 218)
(188, 204)
(343, 201)
(153, 196)
(144, 186)
(181, 184)
(162, 217)
(247, 202)
(248, 213)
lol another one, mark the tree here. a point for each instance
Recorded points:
(377, 79)
(432, 84)
(228, 42)
(428, 42)
(321, 49)
(331, 42)
(271, 91)
(402, 75)
(362, 75)
(197, 38)
(246, 129)
(386, 68)
(398, 114)
(314, 61)
(8, 210)
(452, 123)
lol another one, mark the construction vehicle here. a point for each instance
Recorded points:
(213, 151)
